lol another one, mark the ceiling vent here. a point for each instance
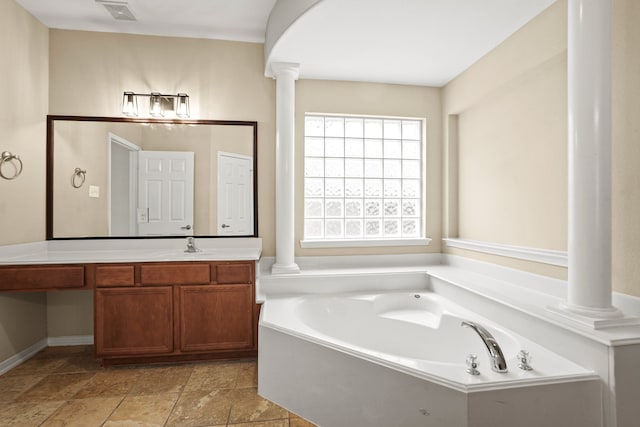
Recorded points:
(118, 9)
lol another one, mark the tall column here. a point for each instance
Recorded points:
(286, 75)
(589, 79)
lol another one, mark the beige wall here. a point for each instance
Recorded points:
(506, 160)
(626, 146)
(23, 322)
(69, 313)
(24, 65)
(318, 96)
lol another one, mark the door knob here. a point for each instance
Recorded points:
(225, 226)
(186, 227)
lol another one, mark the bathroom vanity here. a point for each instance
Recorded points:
(151, 303)
(184, 310)
(155, 298)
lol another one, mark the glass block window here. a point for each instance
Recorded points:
(362, 178)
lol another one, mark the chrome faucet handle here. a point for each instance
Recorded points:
(191, 246)
(472, 364)
(524, 358)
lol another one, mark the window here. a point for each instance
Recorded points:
(362, 179)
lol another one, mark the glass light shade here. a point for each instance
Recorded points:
(129, 104)
(155, 105)
(182, 109)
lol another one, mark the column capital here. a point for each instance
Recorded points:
(291, 69)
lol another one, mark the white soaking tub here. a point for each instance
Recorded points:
(399, 359)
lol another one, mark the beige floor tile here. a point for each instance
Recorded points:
(213, 376)
(248, 406)
(169, 379)
(35, 366)
(273, 423)
(83, 363)
(22, 414)
(247, 375)
(146, 410)
(109, 382)
(13, 386)
(201, 408)
(296, 421)
(64, 386)
(83, 412)
(64, 351)
(56, 387)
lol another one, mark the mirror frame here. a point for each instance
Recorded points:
(50, 167)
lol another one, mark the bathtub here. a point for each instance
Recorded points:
(399, 358)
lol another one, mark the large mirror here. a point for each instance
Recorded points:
(110, 177)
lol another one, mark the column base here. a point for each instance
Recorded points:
(285, 269)
(594, 318)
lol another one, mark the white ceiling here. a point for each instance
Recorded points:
(241, 20)
(423, 42)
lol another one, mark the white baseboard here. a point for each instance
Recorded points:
(22, 356)
(70, 340)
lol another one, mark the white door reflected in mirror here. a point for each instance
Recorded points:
(165, 190)
(235, 188)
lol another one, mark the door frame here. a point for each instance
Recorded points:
(112, 138)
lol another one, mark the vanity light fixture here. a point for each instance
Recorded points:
(158, 104)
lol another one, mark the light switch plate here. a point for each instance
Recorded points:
(94, 191)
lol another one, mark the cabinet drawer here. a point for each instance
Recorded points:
(115, 275)
(175, 274)
(234, 273)
(31, 278)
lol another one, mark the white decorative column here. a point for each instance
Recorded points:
(589, 79)
(286, 75)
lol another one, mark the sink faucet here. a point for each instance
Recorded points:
(191, 246)
(498, 363)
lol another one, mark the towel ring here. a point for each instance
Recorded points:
(78, 177)
(7, 157)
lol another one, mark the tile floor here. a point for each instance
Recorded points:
(64, 386)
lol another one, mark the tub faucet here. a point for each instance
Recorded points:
(498, 363)
(191, 246)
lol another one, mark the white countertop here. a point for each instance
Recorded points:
(130, 250)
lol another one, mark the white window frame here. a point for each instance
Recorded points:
(316, 191)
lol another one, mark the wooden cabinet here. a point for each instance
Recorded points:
(175, 310)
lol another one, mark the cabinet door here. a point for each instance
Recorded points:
(133, 321)
(216, 317)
